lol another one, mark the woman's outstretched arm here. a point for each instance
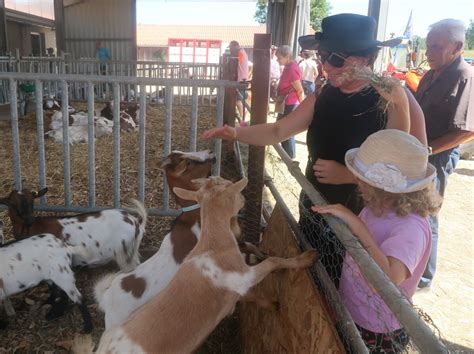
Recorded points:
(269, 133)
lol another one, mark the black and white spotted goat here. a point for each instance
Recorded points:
(112, 234)
(26, 263)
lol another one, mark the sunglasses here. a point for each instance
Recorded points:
(335, 59)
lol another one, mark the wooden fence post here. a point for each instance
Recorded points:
(256, 161)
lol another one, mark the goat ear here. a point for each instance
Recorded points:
(238, 186)
(179, 170)
(167, 161)
(40, 193)
(185, 194)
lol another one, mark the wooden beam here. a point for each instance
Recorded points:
(256, 164)
(60, 26)
(3, 29)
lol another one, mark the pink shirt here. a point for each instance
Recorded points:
(290, 73)
(407, 239)
(243, 70)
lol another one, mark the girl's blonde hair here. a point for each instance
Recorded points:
(423, 202)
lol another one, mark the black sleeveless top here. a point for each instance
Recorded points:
(341, 122)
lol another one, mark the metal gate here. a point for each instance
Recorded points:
(67, 84)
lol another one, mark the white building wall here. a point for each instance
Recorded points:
(112, 22)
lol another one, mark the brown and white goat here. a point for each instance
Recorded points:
(129, 114)
(118, 295)
(205, 289)
(111, 234)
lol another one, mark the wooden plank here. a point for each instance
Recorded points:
(301, 324)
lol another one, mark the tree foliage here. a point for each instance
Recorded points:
(261, 11)
(470, 35)
(319, 9)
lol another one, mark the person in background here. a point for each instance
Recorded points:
(290, 87)
(446, 96)
(275, 69)
(338, 118)
(242, 73)
(309, 71)
(275, 73)
(102, 53)
(395, 181)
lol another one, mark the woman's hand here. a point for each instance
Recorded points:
(354, 223)
(226, 132)
(332, 172)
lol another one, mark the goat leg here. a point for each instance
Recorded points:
(9, 310)
(59, 306)
(86, 316)
(251, 252)
(54, 293)
(271, 264)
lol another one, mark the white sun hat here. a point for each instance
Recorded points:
(393, 161)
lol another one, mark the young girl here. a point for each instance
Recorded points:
(395, 181)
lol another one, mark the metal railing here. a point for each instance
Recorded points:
(151, 69)
(424, 338)
(65, 82)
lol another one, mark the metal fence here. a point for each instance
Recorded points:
(66, 84)
(150, 69)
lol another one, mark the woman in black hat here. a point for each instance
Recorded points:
(339, 117)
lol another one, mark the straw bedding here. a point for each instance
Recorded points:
(28, 331)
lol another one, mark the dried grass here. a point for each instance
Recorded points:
(28, 331)
(104, 161)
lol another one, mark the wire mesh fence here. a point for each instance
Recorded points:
(337, 266)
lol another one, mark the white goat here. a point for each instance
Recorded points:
(78, 128)
(26, 263)
(205, 289)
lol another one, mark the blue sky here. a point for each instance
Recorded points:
(227, 12)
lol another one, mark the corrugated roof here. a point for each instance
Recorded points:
(157, 35)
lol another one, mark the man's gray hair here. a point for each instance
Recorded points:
(285, 51)
(454, 28)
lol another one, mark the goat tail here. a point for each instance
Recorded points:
(140, 209)
(101, 287)
(130, 257)
(82, 344)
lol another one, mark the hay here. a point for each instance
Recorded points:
(29, 331)
(104, 162)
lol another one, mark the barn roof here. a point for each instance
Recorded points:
(157, 35)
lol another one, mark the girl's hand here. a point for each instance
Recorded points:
(354, 223)
(226, 132)
(332, 172)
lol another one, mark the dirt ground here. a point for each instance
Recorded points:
(450, 302)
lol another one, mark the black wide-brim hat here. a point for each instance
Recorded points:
(346, 33)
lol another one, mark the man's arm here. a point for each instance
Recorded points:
(451, 140)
